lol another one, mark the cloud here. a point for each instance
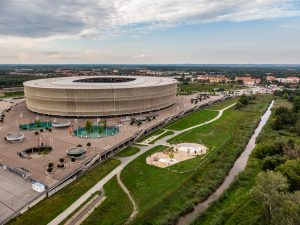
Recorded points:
(42, 19)
(141, 56)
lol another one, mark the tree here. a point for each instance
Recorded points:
(238, 105)
(267, 192)
(291, 169)
(88, 126)
(37, 123)
(297, 127)
(289, 211)
(244, 100)
(296, 104)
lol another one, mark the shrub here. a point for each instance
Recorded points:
(61, 160)
(73, 159)
(79, 145)
(272, 162)
(49, 169)
(88, 144)
(263, 151)
(50, 165)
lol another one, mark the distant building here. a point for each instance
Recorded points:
(271, 78)
(289, 80)
(212, 79)
(248, 81)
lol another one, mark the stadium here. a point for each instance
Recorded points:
(95, 96)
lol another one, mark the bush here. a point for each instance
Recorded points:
(263, 151)
(73, 159)
(61, 160)
(291, 170)
(272, 162)
(49, 169)
(50, 165)
(79, 145)
(88, 144)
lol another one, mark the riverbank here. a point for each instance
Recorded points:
(238, 166)
(236, 206)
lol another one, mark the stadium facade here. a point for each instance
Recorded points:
(99, 95)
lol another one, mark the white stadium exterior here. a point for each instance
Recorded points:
(99, 95)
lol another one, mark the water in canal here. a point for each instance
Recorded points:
(238, 166)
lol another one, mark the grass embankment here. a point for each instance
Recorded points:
(162, 195)
(157, 132)
(207, 87)
(236, 207)
(98, 193)
(129, 151)
(49, 208)
(167, 133)
(193, 119)
(115, 210)
(13, 94)
(222, 105)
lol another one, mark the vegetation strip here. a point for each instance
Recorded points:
(129, 151)
(49, 208)
(116, 208)
(277, 150)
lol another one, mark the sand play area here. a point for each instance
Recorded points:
(175, 154)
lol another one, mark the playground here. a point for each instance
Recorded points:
(175, 154)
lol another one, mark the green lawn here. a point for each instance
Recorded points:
(129, 151)
(236, 206)
(193, 119)
(162, 195)
(167, 133)
(115, 210)
(49, 208)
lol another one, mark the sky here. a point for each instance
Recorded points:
(150, 31)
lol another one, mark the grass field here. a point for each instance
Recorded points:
(193, 119)
(49, 208)
(115, 210)
(162, 195)
(236, 206)
(129, 151)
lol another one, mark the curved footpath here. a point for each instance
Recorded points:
(135, 210)
(124, 162)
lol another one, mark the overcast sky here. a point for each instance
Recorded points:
(150, 31)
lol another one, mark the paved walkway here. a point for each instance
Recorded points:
(124, 162)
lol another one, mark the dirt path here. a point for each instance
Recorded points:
(124, 188)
